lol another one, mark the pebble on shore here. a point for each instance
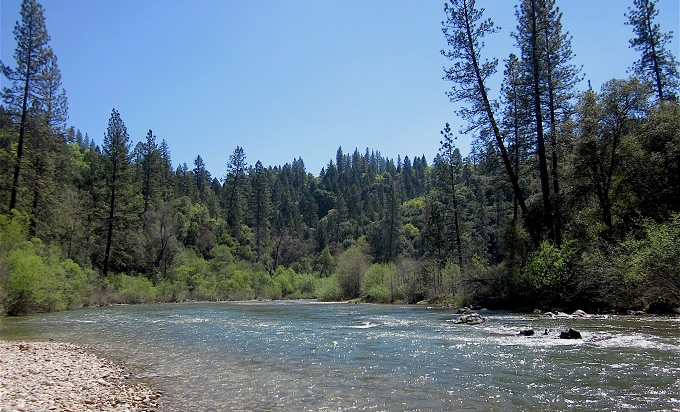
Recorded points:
(48, 376)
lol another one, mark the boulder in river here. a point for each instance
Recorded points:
(580, 314)
(570, 334)
(464, 311)
(526, 332)
(470, 319)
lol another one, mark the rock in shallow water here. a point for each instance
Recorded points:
(470, 319)
(570, 334)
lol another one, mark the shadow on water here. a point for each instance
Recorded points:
(307, 355)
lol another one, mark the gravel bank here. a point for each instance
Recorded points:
(51, 376)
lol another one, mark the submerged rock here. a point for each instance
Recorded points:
(526, 332)
(581, 314)
(570, 334)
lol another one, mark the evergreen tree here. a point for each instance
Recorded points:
(450, 157)
(150, 164)
(202, 178)
(31, 55)
(657, 63)
(516, 118)
(531, 16)
(560, 78)
(48, 116)
(234, 184)
(260, 206)
(118, 179)
(166, 174)
(464, 31)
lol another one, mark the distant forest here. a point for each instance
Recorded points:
(569, 199)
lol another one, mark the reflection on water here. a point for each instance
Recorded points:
(306, 355)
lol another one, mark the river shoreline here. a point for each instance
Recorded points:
(61, 376)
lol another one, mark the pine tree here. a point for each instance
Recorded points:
(117, 167)
(31, 55)
(532, 43)
(202, 178)
(560, 79)
(657, 63)
(464, 31)
(48, 116)
(150, 163)
(449, 156)
(235, 180)
(166, 175)
(516, 118)
(260, 206)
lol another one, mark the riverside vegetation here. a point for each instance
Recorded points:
(569, 198)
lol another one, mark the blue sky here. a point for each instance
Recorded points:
(288, 79)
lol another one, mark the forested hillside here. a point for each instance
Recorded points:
(570, 198)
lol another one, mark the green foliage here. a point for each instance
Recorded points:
(547, 275)
(654, 262)
(130, 289)
(13, 230)
(238, 287)
(173, 235)
(31, 286)
(379, 283)
(329, 289)
(352, 265)
(34, 278)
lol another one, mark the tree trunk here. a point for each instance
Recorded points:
(494, 125)
(109, 235)
(553, 143)
(459, 245)
(540, 140)
(655, 59)
(22, 134)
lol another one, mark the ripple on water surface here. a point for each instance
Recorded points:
(302, 355)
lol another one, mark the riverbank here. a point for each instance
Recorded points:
(60, 376)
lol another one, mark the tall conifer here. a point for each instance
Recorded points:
(657, 63)
(31, 55)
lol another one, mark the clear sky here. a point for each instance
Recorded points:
(288, 79)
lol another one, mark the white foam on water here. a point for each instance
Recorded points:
(364, 325)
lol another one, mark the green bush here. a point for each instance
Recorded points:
(238, 287)
(378, 283)
(77, 285)
(352, 266)
(547, 276)
(130, 289)
(265, 286)
(287, 279)
(307, 285)
(329, 289)
(654, 264)
(31, 285)
(171, 291)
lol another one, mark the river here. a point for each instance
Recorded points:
(294, 355)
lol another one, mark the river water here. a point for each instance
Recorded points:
(314, 356)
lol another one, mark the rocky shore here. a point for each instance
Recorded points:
(51, 376)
